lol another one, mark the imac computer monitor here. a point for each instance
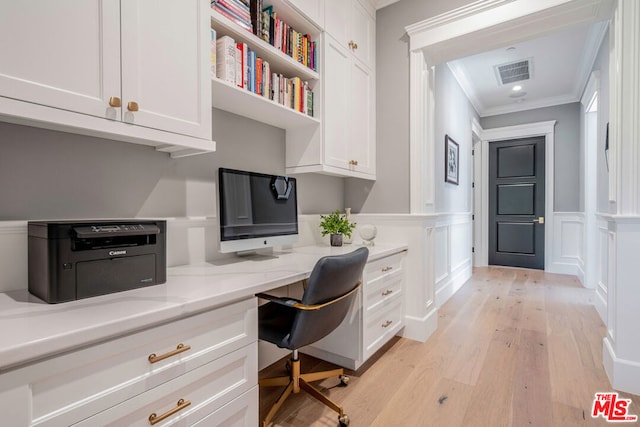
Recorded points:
(256, 210)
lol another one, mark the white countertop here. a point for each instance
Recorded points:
(32, 329)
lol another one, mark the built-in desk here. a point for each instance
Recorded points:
(87, 362)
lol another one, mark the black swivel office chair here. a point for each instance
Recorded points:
(288, 323)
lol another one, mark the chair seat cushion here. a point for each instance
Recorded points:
(274, 323)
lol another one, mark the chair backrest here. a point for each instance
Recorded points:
(332, 277)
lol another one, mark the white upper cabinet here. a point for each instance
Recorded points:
(63, 54)
(352, 26)
(313, 10)
(141, 62)
(165, 70)
(349, 141)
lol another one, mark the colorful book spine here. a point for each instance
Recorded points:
(238, 67)
(224, 12)
(266, 79)
(213, 49)
(258, 88)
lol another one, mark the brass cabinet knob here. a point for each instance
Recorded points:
(351, 44)
(132, 106)
(353, 162)
(355, 46)
(114, 101)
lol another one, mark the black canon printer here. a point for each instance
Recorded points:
(69, 260)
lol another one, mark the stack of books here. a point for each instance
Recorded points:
(280, 35)
(238, 64)
(237, 11)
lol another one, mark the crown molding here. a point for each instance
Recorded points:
(466, 86)
(590, 53)
(530, 105)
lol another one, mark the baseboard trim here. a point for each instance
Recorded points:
(420, 328)
(624, 375)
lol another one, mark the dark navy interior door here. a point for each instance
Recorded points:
(516, 203)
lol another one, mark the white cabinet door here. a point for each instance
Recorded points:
(313, 9)
(337, 15)
(165, 65)
(337, 72)
(63, 54)
(362, 142)
(352, 26)
(362, 33)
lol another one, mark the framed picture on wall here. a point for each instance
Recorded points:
(451, 160)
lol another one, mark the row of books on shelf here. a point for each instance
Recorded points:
(264, 23)
(238, 64)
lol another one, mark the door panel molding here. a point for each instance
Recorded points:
(545, 129)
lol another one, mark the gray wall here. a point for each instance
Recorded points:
(390, 192)
(54, 175)
(453, 117)
(567, 179)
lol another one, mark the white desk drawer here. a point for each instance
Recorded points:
(204, 389)
(381, 325)
(240, 412)
(72, 387)
(382, 288)
(383, 266)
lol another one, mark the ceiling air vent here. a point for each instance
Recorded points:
(513, 71)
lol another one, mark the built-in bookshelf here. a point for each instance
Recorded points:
(229, 97)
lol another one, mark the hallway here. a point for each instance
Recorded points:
(513, 347)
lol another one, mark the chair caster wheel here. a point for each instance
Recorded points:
(343, 421)
(344, 381)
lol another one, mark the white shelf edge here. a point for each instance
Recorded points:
(328, 170)
(233, 99)
(282, 61)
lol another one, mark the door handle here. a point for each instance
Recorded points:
(539, 220)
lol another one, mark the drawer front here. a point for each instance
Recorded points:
(383, 266)
(190, 397)
(383, 288)
(381, 325)
(240, 412)
(72, 387)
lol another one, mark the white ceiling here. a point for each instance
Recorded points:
(561, 63)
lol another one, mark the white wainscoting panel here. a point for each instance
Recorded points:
(441, 264)
(602, 269)
(452, 254)
(568, 248)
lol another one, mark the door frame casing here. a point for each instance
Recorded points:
(545, 129)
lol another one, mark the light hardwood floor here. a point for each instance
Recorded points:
(513, 348)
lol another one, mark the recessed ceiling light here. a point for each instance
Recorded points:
(516, 88)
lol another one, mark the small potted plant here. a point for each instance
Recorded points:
(336, 225)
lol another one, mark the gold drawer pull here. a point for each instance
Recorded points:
(155, 419)
(387, 292)
(387, 323)
(385, 269)
(132, 106)
(353, 162)
(181, 348)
